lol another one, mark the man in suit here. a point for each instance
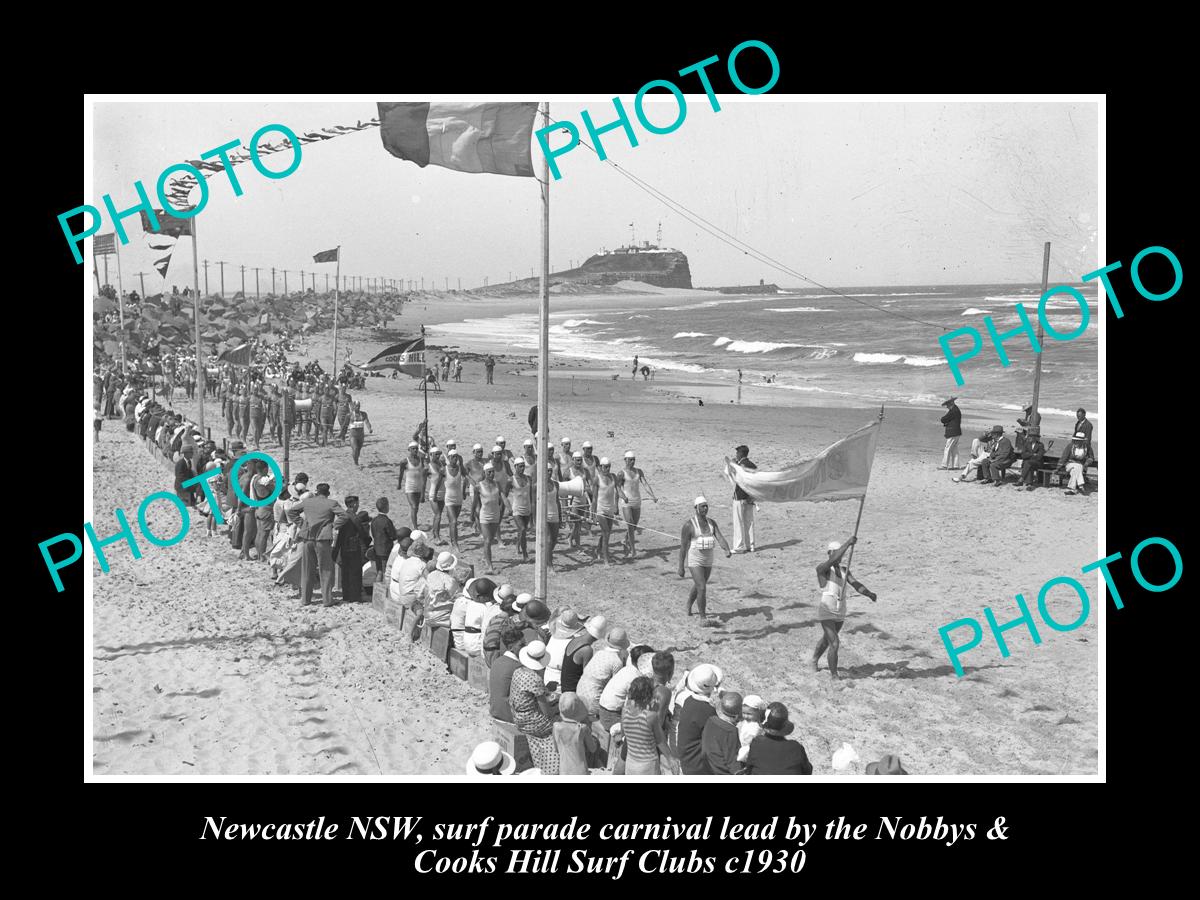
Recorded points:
(317, 513)
(1001, 457)
(953, 422)
(1031, 459)
(349, 549)
(743, 506)
(1083, 425)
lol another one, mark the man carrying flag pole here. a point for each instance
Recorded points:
(839, 472)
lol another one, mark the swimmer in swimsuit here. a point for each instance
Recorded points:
(521, 500)
(833, 577)
(696, 542)
(604, 507)
(631, 479)
(491, 505)
(412, 481)
(454, 481)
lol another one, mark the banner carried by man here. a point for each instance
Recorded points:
(839, 472)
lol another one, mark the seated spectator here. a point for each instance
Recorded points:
(1031, 459)
(578, 651)
(693, 708)
(408, 575)
(771, 753)
(643, 739)
(533, 706)
(662, 667)
(566, 627)
(492, 647)
(719, 738)
(999, 459)
(500, 675)
(488, 759)
(1075, 459)
(536, 617)
(612, 697)
(754, 710)
(607, 659)
(573, 736)
(478, 610)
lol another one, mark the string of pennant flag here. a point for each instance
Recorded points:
(180, 188)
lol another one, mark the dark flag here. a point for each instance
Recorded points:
(407, 357)
(167, 224)
(469, 137)
(239, 356)
(104, 244)
(326, 256)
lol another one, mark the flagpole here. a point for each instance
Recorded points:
(335, 309)
(862, 501)
(541, 572)
(425, 391)
(121, 306)
(1034, 418)
(200, 369)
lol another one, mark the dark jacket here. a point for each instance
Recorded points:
(1085, 457)
(953, 422)
(1034, 449)
(774, 755)
(692, 718)
(383, 535)
(353, 536)
(318, 514)
(721, 744)
(1002, 452)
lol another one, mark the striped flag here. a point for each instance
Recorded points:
(239, 356)
(167, 224)
(469, 137)
(104, 244)
(326, 256)
(839, 472)
(407, 357)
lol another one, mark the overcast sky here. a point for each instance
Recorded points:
(846, 193)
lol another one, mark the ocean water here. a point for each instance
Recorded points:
(825, 346)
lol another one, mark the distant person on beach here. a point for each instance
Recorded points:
(1031, 459)
(635, 366)
(1082, 424)
(457, 369)
(953, 431)
(1075, 459)
(743, 506)
(832, 577)
(489, 365)
(980, 448)
(645, 373)
(358, 421)
(697, 541)
(739, 376)
(1002, 456)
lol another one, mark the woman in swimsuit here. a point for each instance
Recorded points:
(452, 481)
(696, 542)
(436, 490)
(607, 492)
(491, 503)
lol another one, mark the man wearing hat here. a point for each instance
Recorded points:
(608, 658)
(565, 628)
(1032, 451)
(953, 431)
(316, 513)
(1075, 459)
(980, 448)
(488, 759)
(481, 601)
(743, 506)
(1001, 456)
(349, 549)
(771, 753)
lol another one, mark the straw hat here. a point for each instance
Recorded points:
(704, 679)
(617, 637)
(521, 600)
(488, 756)
(889, 764)
(596, 626)
(534, 655)
(568, 624)
(446, 561)
(504, 593)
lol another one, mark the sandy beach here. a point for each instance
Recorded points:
(203, 667)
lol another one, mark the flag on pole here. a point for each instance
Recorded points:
(326, 256)
(239, 355)
(407, 357)
(469, 137)
(104, 244)
(839, 472)
(167, 224)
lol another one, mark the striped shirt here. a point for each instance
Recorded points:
(637, 725)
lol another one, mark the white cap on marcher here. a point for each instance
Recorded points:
(629, 454)
(699, 501)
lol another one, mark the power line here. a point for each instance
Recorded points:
(741, 246)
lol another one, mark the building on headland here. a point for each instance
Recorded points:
(642, 261)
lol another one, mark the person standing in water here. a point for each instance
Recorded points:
(697, 540)
(833, 577)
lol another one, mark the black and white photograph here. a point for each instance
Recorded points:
(690, 434)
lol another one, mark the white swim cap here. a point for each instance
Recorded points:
(835, 545)
(700, 500)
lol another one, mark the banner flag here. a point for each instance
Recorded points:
(839, 472)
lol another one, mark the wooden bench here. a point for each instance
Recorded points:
(479, 674)
(379, 595)
(459, 663)
(512, 742)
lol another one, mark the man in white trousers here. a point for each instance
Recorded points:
(743, 507)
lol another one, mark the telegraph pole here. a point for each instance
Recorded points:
(205, 280)
(301, 281)
(142, 279)
(243, 282)
(257, 292)
(285, 271)
(272, 280)
(221, 263)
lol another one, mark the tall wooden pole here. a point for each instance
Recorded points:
(1034, 417)
(200, 360)
(425, 390)
(542, 571)
(861, 503)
